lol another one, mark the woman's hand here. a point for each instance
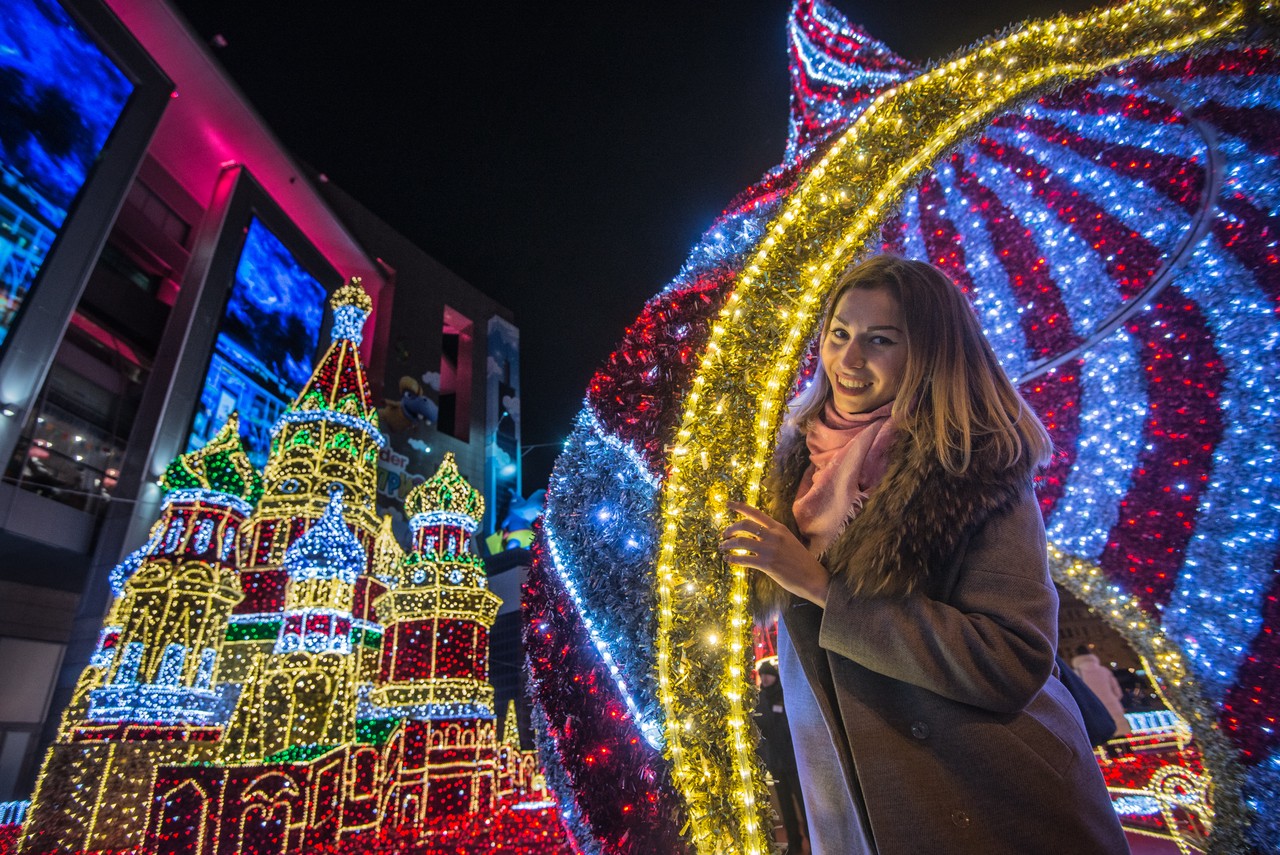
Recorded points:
(762, 543)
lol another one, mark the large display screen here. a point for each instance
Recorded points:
(266, 344)
(60, 98)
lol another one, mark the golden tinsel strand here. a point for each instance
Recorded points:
(732, 412)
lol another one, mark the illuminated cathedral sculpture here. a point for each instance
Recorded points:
(277, 674)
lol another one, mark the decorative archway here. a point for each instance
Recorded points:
(1128, 320)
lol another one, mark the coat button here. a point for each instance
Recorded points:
(960, 818)
(919, 730)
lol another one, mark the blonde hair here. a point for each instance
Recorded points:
(954, 393)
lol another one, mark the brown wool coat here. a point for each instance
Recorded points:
(952, 724)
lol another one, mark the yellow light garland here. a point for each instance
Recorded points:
(734, 409)
(1178, 690)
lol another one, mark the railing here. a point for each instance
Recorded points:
(1153, 721)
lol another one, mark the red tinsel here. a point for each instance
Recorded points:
(621, 785)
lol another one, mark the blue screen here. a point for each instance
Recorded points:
(266, 344)
(60, 97)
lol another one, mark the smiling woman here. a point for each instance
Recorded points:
(905, 552)
(1025, 217)
(758, 342)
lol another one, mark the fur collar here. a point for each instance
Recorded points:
(909, 528)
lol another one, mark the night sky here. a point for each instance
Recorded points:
(562, 158)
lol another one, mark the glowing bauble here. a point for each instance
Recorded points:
(1117, 236)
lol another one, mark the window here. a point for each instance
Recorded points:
(455, 374)
(73, 442)
(158, 213)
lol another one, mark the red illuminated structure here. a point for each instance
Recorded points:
(136, 352)
(279, 675)
(435, 660)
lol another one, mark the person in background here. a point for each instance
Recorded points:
(779, 756)
(1102, 681)
(1098, 724)
(903, 546)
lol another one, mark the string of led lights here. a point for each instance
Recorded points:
(605, 484)
(639, 466)
(651, 729)
(723, 449)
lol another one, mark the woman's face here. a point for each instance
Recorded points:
(864, 351)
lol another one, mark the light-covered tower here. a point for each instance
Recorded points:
(435, 658)
(327, 441)
(435, 652)
(159, 647)
(328, 438)
(149, 695)
(304, 701)
(323, 566)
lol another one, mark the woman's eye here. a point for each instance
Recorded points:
(879, 339)
(839, 335)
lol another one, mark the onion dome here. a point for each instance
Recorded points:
(351, 306)
(220, 466)
(446, 492)
(329, 549)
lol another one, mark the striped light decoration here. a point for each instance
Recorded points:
(1105, 190)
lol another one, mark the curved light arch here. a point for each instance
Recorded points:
(733, 410)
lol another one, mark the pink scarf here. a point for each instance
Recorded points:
(847, 459)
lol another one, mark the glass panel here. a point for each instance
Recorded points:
(266, 345)
(73, 442)
(61, 97)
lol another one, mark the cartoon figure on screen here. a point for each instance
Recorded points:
(903, 549)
